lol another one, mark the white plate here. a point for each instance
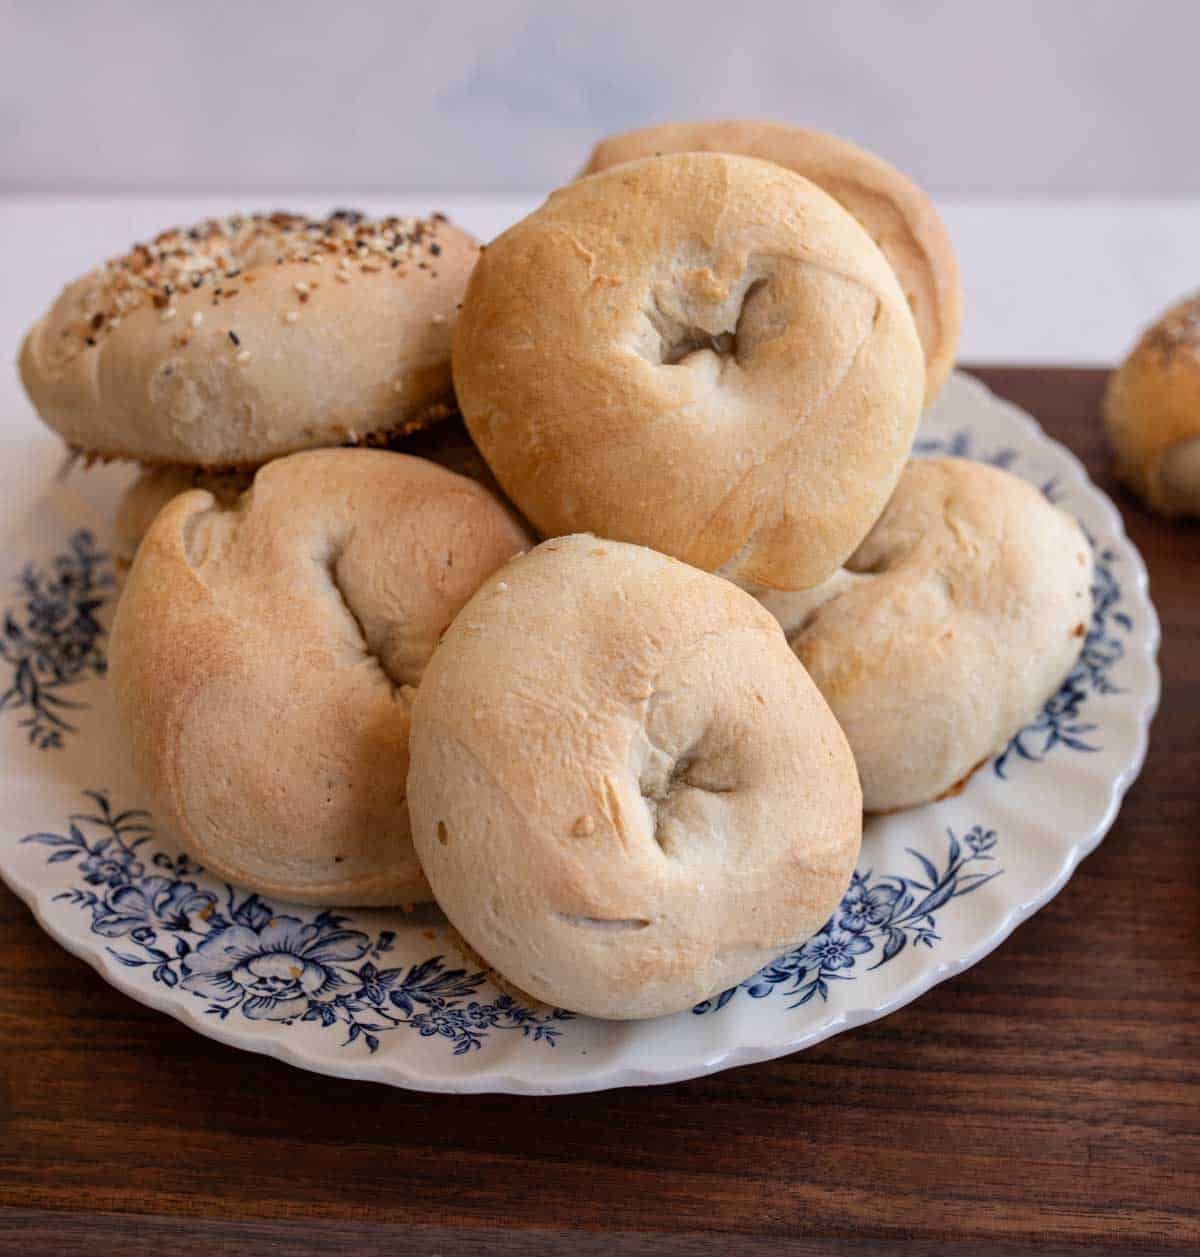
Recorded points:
(383, 996)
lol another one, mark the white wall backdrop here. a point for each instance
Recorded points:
(995, 98)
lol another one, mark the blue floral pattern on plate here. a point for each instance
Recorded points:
(235, 951)
(239, 954)
(53, 637)
(877, 918)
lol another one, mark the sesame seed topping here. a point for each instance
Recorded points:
(197, 319)
(291, 317)
(233, 336)
(209, 254)
(244, 356)
(439, 319)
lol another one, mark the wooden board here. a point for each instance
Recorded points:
(1050, 1095)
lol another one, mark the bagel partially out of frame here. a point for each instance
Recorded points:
(899, 217)
(625, 791)
(264, 656)
(951, 625)
(700, 353)
(246, 338)
(1152, 412)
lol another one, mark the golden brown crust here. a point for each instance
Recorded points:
(898, 216)
(260, 337)
(700, 353)
(1152, 412)
(447, 444)
(956, 619)
(625, 791)
(154, 488)
(263, 659)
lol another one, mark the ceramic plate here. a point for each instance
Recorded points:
(383, 995)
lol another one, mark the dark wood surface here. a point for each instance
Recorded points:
(1050, 1096)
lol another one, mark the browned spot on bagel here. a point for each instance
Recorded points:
(950, 792)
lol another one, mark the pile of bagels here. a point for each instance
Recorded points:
(580, 581)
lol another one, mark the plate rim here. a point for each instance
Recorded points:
(390, 1072)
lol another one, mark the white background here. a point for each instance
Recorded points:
(975, 98)
(1059, 137)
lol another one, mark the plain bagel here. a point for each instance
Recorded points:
(700, 353)
(264, 655)
(1152, 412)
(626, 793)
(446, 443)
(153, 488)
(899, 217)
(245, 338)
(951, 625)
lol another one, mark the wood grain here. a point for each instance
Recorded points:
(1048, 1096)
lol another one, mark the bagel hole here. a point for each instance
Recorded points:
(685, 774)
(678, 341)
(691, 340)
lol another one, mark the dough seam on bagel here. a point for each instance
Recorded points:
(732, 564)
(613, 924)
(329, 564)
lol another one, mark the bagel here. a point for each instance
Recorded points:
(245, 338)
(699, 353)
(445, 443)
(263, 660)
(626, 793)
(897, 215)
(1152, 412)
(153, 488)
(951, 625)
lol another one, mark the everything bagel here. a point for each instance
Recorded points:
(245, 338)
(1152, 412)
